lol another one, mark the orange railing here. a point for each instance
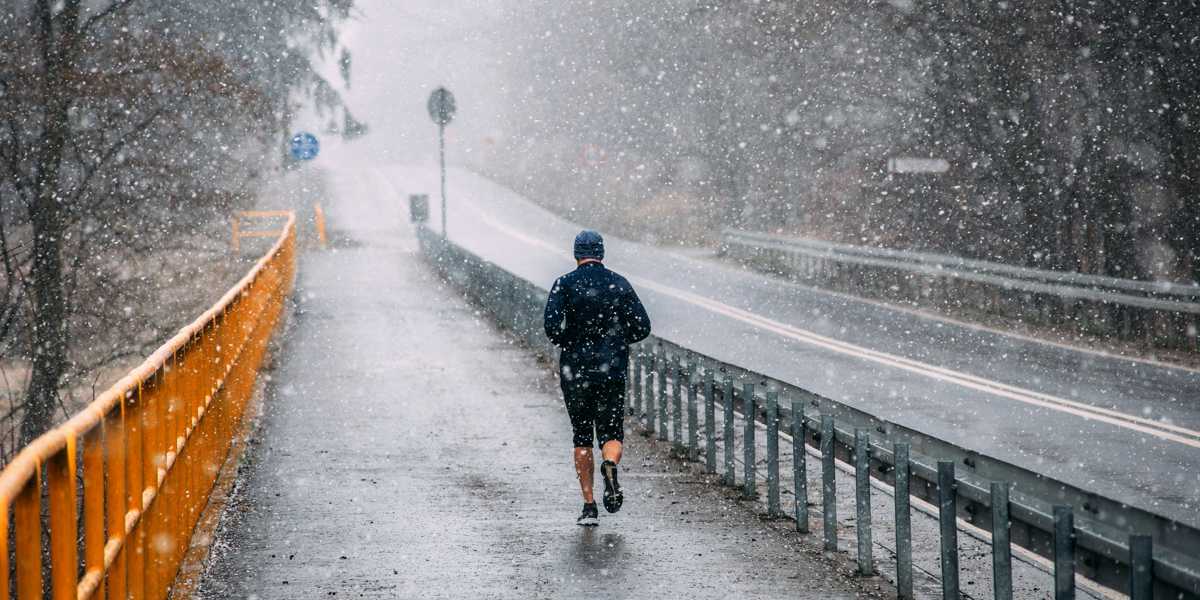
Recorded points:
(240, 233)
(151, 447)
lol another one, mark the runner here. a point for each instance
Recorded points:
(593, 315)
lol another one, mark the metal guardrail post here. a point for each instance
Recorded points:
(692, 417)
(647, 414)
(904, 566)
(662, 396)
(828, 483)
(727, 400)
(773, 453)
(947, 519)
(862, 499)
(799, 467)
(636, 407)
(749, 467)
(677, 402)
(1002, 584)
(1141, 567)
(710, 425)
(652, 380)
(1064, 553)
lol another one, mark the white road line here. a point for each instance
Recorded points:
(929, 315)
(1166, 431)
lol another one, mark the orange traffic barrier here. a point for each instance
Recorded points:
(239, 233)
(319, 223)
(151, 448)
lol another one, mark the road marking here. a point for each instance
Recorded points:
(1166, 431)
(928, 315)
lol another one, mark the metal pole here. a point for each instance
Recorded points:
(1002, 584)
(947, 519)
(727, 399)
(773, 453)
(904, 567)
(636, 408)
(1064, 553)
(748, 468)
(828, 483)
(1141, 567)
(862, 499)
(652, 379)
(442, 156)
(799, 467)
(693, 435)
(677, 402)
(710, 425)
(662, 396)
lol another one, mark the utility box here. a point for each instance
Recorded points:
(418, 207)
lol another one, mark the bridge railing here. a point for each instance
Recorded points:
(1158, 314)
(1119, 546)
(143, 456)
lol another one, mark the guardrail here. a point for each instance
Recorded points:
(1118, 546)
(151, 447)
(1154, 313)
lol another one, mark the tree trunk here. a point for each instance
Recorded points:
(49, 351)
(49, 316)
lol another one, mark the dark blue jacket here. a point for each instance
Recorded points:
(593, 314)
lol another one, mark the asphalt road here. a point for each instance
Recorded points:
(410, 450)
(1123, 428)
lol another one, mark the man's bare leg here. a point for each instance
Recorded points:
(612, 451)
(585, 467)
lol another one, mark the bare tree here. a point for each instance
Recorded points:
(122, 124)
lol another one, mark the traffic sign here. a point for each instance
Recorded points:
(593, 155)
(304, 146)
(441, 106)
(917, 165)
(441, 110)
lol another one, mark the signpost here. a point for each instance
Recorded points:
(304, 146)
(441, 110)
(917, 165)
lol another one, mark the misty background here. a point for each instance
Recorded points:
(1070, 128)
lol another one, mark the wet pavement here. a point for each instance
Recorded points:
(409, 449)
(1122, 429)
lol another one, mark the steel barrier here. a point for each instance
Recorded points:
(1156, 313)
(1118, 546)
(151, 448)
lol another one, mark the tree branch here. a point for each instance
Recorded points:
(23, 185)
(15, 288)
(116, 6)
(90, 172)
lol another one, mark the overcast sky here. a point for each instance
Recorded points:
(401, 52)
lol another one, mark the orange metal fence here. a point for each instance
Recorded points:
(151, 448)
(240, 233)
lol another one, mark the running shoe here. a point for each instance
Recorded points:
(612, 489)
(590, 516)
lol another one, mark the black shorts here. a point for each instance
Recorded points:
(595, 404)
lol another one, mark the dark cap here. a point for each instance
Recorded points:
(589, 244)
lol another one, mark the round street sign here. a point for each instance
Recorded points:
(441, 106)
(304, 146)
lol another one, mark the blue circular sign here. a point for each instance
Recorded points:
(304, 146)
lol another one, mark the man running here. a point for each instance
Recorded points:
(593, 315)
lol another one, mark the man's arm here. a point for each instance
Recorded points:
(634, 318)
(555, 314)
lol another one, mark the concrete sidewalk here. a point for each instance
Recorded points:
(408, 449)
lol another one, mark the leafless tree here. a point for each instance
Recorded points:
(124, 124)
